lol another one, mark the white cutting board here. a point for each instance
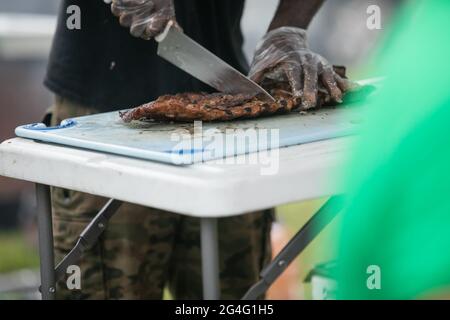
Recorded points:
(180, 143)
(187, 143)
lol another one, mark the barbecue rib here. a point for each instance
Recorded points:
(220, 106)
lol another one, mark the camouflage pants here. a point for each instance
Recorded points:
(143, 250)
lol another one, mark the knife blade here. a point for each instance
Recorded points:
(180, 50)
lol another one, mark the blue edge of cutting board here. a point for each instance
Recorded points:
(173, 142)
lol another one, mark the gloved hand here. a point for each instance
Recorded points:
(145, 18)
(284, 55)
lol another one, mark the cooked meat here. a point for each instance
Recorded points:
(220, 106)
(207, 107)
(216, 106)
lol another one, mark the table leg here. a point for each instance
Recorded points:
(47, 262)
(88, 238)
(295, 246)
(210, 258)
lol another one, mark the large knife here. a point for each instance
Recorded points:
(180, 50)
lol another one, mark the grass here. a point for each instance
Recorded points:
(15, 253)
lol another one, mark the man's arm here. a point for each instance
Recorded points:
(295, 13)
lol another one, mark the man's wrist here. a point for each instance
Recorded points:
(295, 13)
(298, 35)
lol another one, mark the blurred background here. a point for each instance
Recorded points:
(338, 32)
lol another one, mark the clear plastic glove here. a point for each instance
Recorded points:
(145, 18)
(284, 55)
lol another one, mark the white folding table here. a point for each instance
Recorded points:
(206, 190)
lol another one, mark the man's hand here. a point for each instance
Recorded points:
(284, 55)
(145, 18)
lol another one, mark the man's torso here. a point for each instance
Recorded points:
(104, 67)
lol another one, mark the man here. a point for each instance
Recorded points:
(101, 67)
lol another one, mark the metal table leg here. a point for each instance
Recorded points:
(47, 261)
(88, 238)
(210, 258)
(295, 246)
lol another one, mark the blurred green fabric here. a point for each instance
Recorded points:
(398, 216)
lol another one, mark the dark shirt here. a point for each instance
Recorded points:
(104, 67)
